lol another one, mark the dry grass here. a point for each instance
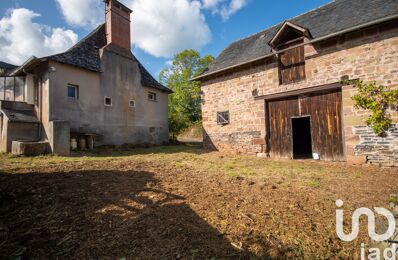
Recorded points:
(182, 202)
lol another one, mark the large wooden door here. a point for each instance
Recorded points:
(280, 114)
(324, 110)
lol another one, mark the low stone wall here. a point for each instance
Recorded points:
(30, 148)
(378, 150)
(237, 142)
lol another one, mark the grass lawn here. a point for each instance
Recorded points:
(181, 202)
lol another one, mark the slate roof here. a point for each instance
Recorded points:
(85, 54)
(7, 66)
(333, 17)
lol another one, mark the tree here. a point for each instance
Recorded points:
(378, 99)
(184, 103)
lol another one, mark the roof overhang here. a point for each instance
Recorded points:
(299, 92)
(30, 64)
(286, 26)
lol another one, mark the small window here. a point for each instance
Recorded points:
(151, 96)
(132, 103)
(73, 91)
(108, 101)
(223, 118)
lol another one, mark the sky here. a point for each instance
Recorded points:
(160, 28)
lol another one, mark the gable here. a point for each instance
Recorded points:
(288, 32)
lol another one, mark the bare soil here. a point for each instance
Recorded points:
(180, 203)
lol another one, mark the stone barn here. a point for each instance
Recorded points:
(277, 93)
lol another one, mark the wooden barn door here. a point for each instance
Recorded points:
(327, 134)
(324, 110)
(280, 114)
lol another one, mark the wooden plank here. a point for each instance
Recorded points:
(280, 113)
(304, 91)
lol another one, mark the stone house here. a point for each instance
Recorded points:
(96, 93)
(277, 93)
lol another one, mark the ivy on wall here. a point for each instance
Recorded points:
(377, 99)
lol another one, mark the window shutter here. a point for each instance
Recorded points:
(292, 65)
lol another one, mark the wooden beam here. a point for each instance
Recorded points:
(298, 92)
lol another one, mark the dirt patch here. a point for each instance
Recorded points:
(177, 202)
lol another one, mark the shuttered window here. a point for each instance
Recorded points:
(291, 64)
(223, 118)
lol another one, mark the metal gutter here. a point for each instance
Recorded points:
(384, 19)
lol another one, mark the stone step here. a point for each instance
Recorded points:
(28, 148)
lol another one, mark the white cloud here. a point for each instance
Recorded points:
(160, 28)
(82, 12)
(21, 38)
(163, 28)
(225, 8)
(210, 4)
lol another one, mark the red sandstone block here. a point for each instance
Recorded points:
(259, 141)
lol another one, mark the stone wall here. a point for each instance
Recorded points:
(370, 54)
(378, 150)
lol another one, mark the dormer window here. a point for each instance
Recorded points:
(291, 58)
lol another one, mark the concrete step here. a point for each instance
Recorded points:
(28, 148)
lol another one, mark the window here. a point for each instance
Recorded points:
(223, 118)
(73, 91)
(151, 96)
(292, 64)
(132, 103)
(108, 101)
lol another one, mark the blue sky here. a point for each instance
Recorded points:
(207, 25)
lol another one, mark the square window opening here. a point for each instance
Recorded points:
(151, 96)
(73, 92)
(108, 101)
(223, 118)
(132, 103)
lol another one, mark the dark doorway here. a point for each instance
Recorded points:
(302, 143)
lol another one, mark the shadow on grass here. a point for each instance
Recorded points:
(102, 214)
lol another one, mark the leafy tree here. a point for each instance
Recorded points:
(378, 99)
(184, 104)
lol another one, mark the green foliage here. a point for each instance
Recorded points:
(377, 99)
(184, 103)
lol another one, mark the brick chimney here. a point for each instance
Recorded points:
(117, 24)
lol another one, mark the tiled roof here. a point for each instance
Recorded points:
(333, 17)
